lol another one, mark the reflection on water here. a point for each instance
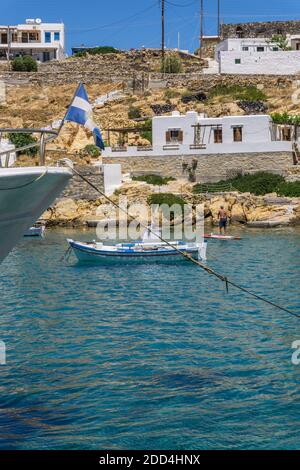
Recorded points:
(151, 357)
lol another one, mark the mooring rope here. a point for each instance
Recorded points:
(26, 184)
(186, 255)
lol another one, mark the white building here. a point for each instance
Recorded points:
(43, 41)
(196, 134)
(258, 56)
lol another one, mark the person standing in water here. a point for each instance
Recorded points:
(223, 218)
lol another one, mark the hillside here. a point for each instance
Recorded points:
(48, 102)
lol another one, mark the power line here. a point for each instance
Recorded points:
(203, 266)
(115, 22)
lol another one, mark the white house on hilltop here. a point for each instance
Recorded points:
(43, 41)
(196, 134)
(258, 56)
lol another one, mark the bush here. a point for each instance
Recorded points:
(146, 132)
(170, 93)
(260, 183)
(285, 118)
(165, 198)
(289, 189)
(154, 179)
(238, 92)
(134, 113)
(171, 64)
(24, 64)
(97, 50)
(21, 139)
(92, 150)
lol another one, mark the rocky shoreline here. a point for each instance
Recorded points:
(243, 208)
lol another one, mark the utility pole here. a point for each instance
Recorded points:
(219, 10)
(8, 47)
(201, 28)
(163, 34)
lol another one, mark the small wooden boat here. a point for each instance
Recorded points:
(222, 237)
(150, 250)
(35, 231)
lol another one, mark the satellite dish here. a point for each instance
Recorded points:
(38, 21)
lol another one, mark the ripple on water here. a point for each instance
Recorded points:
(151, 357)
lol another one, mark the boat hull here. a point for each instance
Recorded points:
(37, 232)
(25, 193)
(90, 255)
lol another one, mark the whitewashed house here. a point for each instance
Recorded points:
(43, 41)
(197, 134)
(258, 56)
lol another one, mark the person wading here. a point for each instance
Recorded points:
(223, 219)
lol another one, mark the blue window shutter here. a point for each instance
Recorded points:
(56, 36)
(47, 36)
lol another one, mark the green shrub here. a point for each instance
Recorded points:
(97, 50)
(238, 92)
(92, 150)
(171, 64)
(170, 93)
(260, 183)
(134, 113)
(24, 64)
(21, 139)
(165, 198)
(285, 118)
(289, 189)
(146, 132)
(154, 179)
(280, 41)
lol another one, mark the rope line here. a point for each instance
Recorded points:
(188, 256)
(26, 184)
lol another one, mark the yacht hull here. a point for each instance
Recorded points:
(25, 193)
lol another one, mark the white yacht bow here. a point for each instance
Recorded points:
(25, 193)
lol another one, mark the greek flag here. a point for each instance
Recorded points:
(80, 111)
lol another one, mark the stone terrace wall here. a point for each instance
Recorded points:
(78, 189)
(210, 168)
(193, 81)
(259, 29)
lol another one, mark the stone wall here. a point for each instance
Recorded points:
(79, 189)
(210, 168)
(259, 29)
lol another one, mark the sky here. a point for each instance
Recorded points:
(135, 23)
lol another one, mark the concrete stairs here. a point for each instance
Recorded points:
(213, 67)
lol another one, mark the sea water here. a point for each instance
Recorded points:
(150, 357)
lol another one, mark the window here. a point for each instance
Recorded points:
(286, 134)
(237, 61)
(275, 48)
(47, 36)
(33, 37)
(260, 49)
(245, 48)
(56, 36)
(4, 38)
(237, 134)
(174, 136)
(218, 136)
(24, 37)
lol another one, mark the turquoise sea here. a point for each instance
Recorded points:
(150, 357)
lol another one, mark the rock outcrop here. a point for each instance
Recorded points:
(260, 211)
